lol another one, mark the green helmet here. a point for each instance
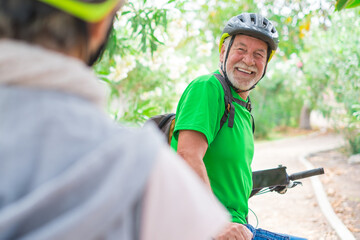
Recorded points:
(254, 25)
(87, 11)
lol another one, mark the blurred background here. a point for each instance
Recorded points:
(312, 83)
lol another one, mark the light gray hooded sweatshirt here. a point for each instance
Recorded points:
(66, 171)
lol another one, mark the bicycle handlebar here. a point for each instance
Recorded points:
(277, 179)
(305, 174)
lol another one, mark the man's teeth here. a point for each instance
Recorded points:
(245, 71)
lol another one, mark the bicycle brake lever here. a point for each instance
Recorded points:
(293, 184)
(283, 189)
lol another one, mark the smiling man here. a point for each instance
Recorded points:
(245, 63)
(216, 138)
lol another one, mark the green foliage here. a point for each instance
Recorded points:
(331, 69)
(293, 20)
(155, 51)
(276, 102)
(136, 87)
(341, 4)
(216, 15)
(144, 21)
(352, 132)
(147, 93)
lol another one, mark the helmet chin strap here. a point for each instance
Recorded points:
(224, 70)
(225, 74)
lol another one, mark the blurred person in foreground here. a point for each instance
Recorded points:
(220, 147)
(66, 170)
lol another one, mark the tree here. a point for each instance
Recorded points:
(132, 66)
(331, 62)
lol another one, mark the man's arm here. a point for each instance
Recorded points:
(192, 146)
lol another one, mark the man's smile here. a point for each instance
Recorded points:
(245, 70)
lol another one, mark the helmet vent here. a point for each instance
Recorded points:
(253, 19)
(265, 23)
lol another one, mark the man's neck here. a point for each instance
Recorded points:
(244, 95)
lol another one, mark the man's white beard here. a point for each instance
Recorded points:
(233, 82)
(236, 84)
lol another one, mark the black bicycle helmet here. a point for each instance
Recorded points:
(254, 25)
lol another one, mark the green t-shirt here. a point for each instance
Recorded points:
(230, 150)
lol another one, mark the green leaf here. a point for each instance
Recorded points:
(125, 12)
(340, 4)
(154, 39)
(150, 111)
(353, 3)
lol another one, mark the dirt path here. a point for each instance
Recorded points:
(296, 212)
(342, 186)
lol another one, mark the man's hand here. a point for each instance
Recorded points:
(235, 231)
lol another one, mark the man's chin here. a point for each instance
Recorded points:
(240, 86)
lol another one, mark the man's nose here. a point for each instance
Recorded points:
(248, 59)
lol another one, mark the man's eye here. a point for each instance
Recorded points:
(259, 55)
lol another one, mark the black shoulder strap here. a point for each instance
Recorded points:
(229, 106)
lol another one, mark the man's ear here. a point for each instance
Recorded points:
(222, 53)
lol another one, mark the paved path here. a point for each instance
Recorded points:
(297, 211)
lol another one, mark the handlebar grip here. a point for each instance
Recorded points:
(305, 174)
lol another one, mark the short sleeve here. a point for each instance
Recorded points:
(200, 108)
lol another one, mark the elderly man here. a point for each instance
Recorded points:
(216, 139)
(66, 170)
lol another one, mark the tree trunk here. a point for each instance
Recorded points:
(305, 117)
